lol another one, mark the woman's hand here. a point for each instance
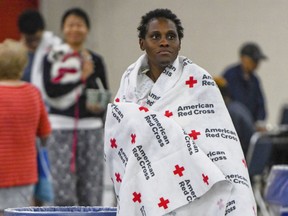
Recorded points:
(87, 65)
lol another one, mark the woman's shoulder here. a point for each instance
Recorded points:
(32, 88)
(20, 86)
(195, 70)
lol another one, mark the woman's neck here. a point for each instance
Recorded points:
(7, 82)
(76, 47)
(154, 73)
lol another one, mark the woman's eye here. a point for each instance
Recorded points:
(154, 37)
(171, 37)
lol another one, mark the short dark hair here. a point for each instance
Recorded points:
(30, 21)
(159, 13)
(77, 12)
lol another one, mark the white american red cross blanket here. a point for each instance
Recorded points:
(171, 147)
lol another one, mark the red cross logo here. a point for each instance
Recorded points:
(168, 113)
(117, 100)
(205, 179)
(191, 82)
(137, 197)
(133, 138)
(178, 170)
(194, 134)
(118, 177)
(244, 162)
(142, 108)
(220, 204)
(113, 143)
(163, 203)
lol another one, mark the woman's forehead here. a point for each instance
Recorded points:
(157, 23)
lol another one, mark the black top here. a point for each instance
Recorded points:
(54, 90)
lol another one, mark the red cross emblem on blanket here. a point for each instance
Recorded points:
(163, 203)
(117, 100)
(168, 113)
(113, 143)
(133, 138)
(142, 108)
(194, 134)
(205, 178)
(178, 170)
(136, 197)
(118, 177)
(220, 204)
(191, 82)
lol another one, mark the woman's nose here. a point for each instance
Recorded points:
(164, 41)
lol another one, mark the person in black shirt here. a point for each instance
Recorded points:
(76, 144)
(244, 84)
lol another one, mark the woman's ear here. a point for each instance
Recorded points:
(141, 44)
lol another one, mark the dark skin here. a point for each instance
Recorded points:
(32, 41)
(248, 65)
(162, 45)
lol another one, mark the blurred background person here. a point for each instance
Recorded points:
(240, 115)
(245, 85)
(38, 42)
(22, 117)
(76, 144)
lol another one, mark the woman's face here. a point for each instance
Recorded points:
(74, 30)
(161, 42)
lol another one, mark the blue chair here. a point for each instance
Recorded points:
(284, 212)
(284, 115)
(257, 159)
(258, 153)
(276, 191)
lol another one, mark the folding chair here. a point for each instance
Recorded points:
(276, 191)
(257, 158)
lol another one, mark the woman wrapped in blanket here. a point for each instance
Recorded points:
(76, 144)
(170, 144)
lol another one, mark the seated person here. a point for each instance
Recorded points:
(240, 115)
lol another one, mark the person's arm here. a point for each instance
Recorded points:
(260, 123)
(54, 89)
(261, 111)
(99, 71)
(102, 73)
(43, 140)
(44, 127)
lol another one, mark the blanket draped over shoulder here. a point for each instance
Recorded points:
(171, 147)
